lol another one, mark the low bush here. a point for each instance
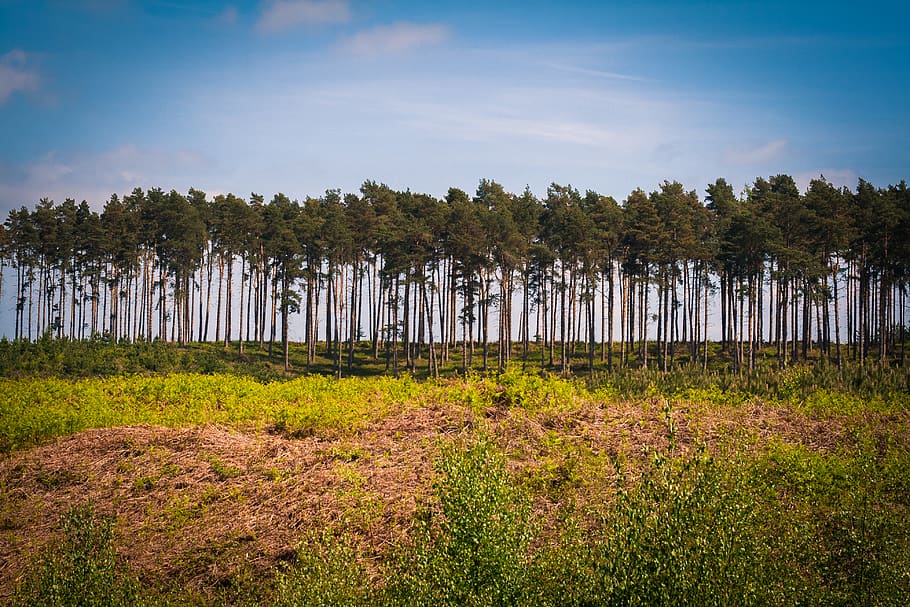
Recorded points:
(327, 573)
(471, 547)
(82, 570)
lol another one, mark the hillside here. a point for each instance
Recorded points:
(211, 510)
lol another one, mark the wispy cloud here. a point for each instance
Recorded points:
(17, 74)
(94, 177)
(277, 15)
(395, 38)
(765, 152)
(47, 169)
(518, 115)
(479, 125)
(229, 16)
(590, 72)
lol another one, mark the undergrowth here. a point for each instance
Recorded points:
(783, 528)
(34, 409)
(82, 570)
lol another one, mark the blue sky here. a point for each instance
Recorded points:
(297, 96)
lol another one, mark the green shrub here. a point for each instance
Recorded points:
(472, 548)
(848, 516)
(82, 571)
(686, 531)
(327, 574)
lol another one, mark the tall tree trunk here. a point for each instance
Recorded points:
(312, 312)
(220, 287)
(485, 315)
(610, 313)
(378, 285)
(562, 318)
(204, 330)
(337, 299)
(432, 364)
(705, 312)
(644, 321)
(162, 299)
(394, 311)
(274, 320)
(590, 303)
(406, 324)
(354, 324)
(284, 317)
(240, 311)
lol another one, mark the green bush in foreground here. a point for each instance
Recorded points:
(326, 574)
(687, 531)
(472, 548)
(82, 571)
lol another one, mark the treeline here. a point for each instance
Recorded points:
(479, 278)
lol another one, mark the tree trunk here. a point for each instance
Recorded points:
(240, 312)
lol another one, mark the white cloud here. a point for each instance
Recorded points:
(286, 14)
(478, 124)
(17, 74)
(47, 170)
(94, 177)
(766, 152)
(608, 120)
(395, 38)
(590, 72)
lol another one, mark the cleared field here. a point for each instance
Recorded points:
(507, 489)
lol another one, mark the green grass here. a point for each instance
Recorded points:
(36, 409)
(101, 357)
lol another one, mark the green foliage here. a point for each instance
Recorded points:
(473, 547)
(790, 526)
(687, 534)
(863, 546)
(83, 570)
(686, 531)
(535, 392)
(222, 471)
(849, 512)
(327, 573)
(521, 384)
(781, 524)
(36, 409)
(820, 389)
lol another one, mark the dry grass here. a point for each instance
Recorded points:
(200, 506)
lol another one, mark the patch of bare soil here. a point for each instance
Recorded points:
(199, 506)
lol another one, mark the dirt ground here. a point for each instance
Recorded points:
(197, 506)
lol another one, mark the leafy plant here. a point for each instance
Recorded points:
(472, 548)
(83, 570)
(327, 573)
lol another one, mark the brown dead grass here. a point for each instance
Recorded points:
(200, 506)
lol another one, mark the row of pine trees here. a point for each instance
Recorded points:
(477, 279)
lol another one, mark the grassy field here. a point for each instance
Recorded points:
(225, 488)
